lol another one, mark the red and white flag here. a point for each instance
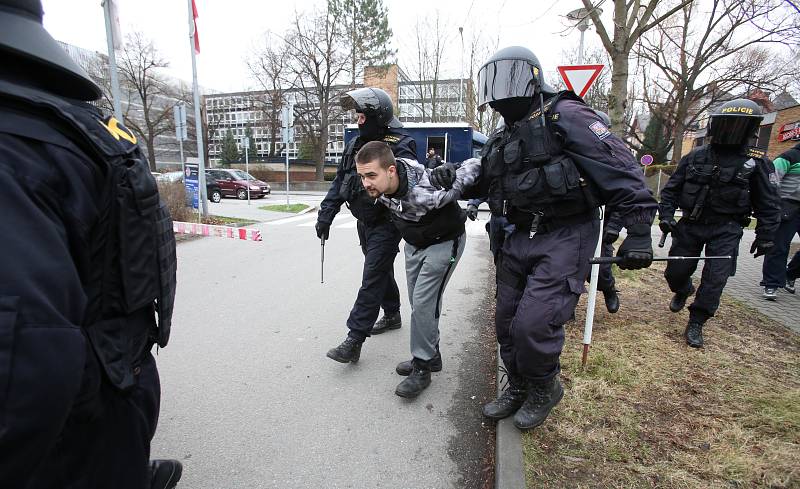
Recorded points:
(194, 28)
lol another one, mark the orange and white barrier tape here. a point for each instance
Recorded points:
(216, 231)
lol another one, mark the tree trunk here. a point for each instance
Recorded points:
(151, 152)
(618, 97)
(677, 140)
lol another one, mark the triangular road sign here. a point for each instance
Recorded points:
(579, 78)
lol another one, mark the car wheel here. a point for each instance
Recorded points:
(241, 194)
(216, 196)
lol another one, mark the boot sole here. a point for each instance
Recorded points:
(554, 404)
(498, 418)
(409, 395)
(383, 330)
(340, 359)
(406, 373)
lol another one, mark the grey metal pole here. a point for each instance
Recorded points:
(580, 48)
(201, 165)
(247, 168)
(658, 185)
(461, 74)
(112, 65)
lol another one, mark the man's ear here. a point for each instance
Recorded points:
(392, 170)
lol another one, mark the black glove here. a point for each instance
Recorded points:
(472, 212)
(443, 176)
(323, 229)
(637, 248)
(610, 235)
(667, 225)
(761, 247)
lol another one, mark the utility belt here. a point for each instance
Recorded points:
(711, 218)
(537, 222)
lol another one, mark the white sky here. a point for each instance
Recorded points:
(229, 28)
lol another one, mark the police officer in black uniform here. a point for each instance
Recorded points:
(377, 234)
(88, 277)
(548, 170)
(717, 186)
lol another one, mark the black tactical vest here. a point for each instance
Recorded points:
(530, 174)
(715, 185)
(132, 244)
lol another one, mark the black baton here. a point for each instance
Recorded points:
(602, 260)
(322, 261)
(663, 240)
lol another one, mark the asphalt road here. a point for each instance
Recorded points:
(251, 401)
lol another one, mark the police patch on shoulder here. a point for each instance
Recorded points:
(600, 130)
(555, 116)
(391, 139)
(755, 153)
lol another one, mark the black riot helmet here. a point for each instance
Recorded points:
(373, 103)
(602, 115)
(28, 49)
(512, 72)
(734, 122)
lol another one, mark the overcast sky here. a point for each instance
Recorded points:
(229, 29)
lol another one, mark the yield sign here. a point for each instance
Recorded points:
(580, 77)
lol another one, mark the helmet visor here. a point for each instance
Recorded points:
(732, 129)
(361, 100)
(506, 78)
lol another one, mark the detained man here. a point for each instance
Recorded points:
(432, 224)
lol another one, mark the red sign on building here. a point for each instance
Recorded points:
(789, 131)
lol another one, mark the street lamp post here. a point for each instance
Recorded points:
(461, 74)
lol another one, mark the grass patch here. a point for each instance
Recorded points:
(229, 221)
(649, 411)
(293, 208)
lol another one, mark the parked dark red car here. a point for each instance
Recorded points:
(235, 183)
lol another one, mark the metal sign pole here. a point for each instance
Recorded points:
(247, 166)
(587, 330)
(658, 185)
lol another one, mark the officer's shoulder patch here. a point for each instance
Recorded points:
(755, 153)
(555, 116)
(116, 129)
(600, 130)
(391, 139)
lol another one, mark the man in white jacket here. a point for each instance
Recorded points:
(432, 224)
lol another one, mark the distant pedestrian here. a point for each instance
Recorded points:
(434, 160)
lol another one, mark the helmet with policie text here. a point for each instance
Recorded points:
(511, 72)
(735, 122)
(373, 103)
(27, 49)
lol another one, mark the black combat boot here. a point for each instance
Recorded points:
(509, 401)
(542, 398)
(417, 381)
(165, 474)
(386, 323)
(694, 334)
(679, 300)
(612, 300)
(348, 351)
(435, 364)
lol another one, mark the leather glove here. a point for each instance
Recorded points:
(667, 225)
(472, 212)
(637, 248)
(761, 247)
(323, 229)
(610, 236)
(443, 176)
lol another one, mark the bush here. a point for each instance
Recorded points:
(653, 170)
(174, 195)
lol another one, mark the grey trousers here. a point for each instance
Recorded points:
(427, 272)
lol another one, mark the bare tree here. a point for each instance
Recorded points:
(632, 18)
(431, 39)
(704, 58)
(317, 61)
(270, 68)
(480, 48)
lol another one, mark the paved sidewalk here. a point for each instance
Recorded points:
(744, 285)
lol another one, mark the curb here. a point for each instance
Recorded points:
(509, 470)
(307, 210)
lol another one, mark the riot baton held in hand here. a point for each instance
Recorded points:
(663, 240)
(322, 261)
(619, 259)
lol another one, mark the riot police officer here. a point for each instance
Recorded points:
(88, 262)
(547, 171)
(717, 186)
(377, 234)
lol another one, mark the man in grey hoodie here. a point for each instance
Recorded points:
(432, 224)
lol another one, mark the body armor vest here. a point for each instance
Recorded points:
(719, 185)
(530, 174)
(132, 244)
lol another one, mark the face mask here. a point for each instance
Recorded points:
(512, 109)
(369, 130)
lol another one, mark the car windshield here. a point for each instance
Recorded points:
(240, 175)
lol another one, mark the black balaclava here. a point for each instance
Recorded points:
(370, 130)
(512, 109)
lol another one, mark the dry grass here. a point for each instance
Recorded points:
(650, 412)
(174, 195)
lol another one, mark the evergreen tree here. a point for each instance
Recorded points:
(655, 140)
(365, 24)
(230, 151)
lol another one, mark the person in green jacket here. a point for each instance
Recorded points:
(775, 274)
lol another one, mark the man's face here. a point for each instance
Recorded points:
(360, 118)
(376, 179)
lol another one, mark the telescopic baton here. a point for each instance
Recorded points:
(602, 260)
(322, 261)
